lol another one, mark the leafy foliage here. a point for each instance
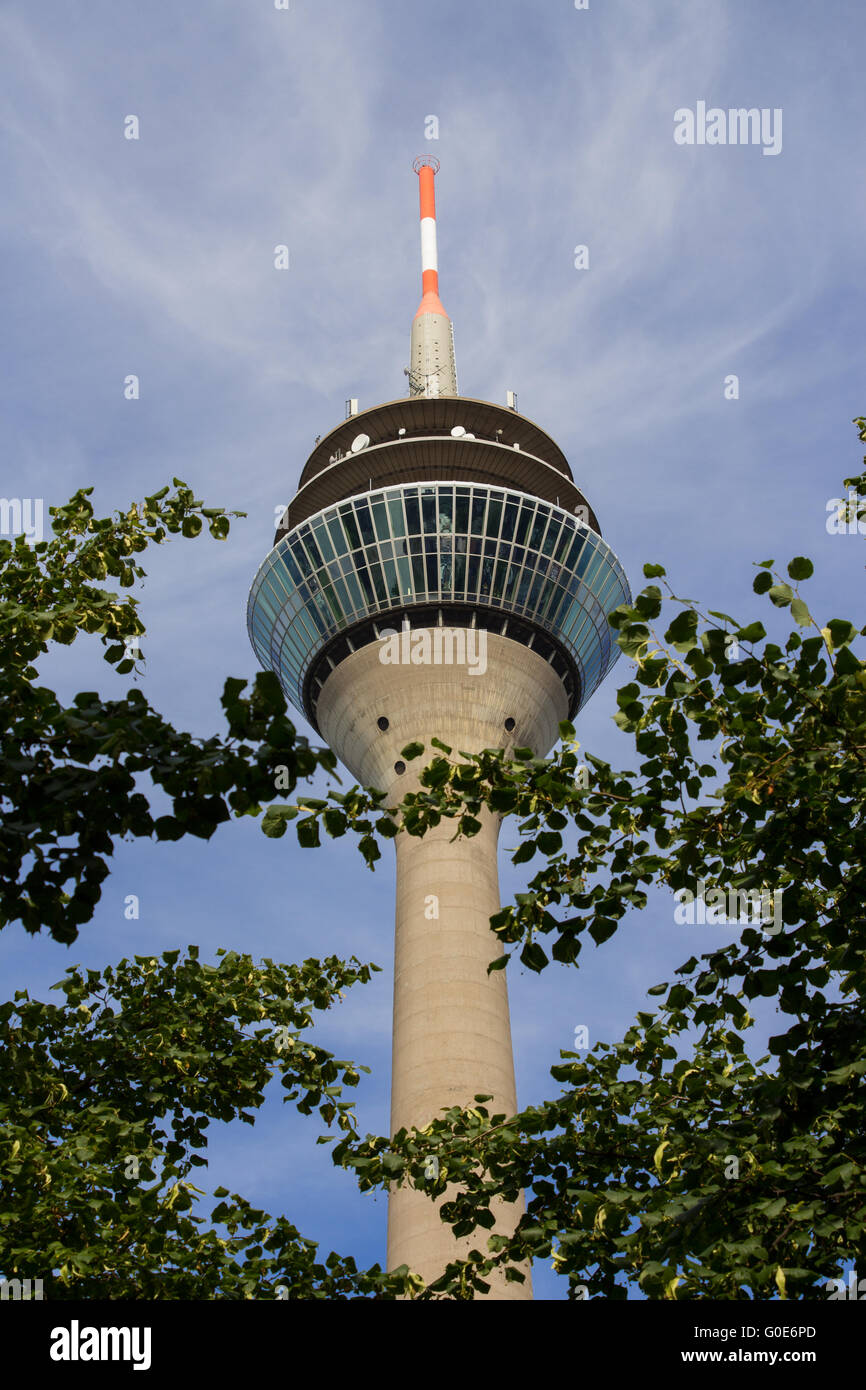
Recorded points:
(68, 780)
(105, 1100)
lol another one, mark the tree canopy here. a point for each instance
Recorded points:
(675, 1160)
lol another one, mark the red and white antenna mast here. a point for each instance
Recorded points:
(433, 370)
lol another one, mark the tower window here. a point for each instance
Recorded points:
(509, 724)
(399, 768)
(383, 723)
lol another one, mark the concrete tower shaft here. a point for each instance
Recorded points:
(452, 1034)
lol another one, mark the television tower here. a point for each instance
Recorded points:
(438, 574)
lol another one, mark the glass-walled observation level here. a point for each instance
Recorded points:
(484, 556)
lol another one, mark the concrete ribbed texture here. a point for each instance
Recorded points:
(452, 1036)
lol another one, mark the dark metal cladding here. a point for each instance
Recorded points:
(411, 441)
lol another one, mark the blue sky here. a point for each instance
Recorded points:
(156, 257)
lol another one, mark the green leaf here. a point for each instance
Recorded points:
(841, 631)
(847, 663)
(601, 929)
(683, 629)
(549, 842)
(534, 956)
(780, 594)
(800, 567)
(167, 828)
(659, 1155)
(524, 852)
(308, 833)
(412, 750)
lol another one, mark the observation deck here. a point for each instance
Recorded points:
(440, 553)
(413, 440)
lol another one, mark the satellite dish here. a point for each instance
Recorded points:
(458, 432)
(469, 436)
(360, 442)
